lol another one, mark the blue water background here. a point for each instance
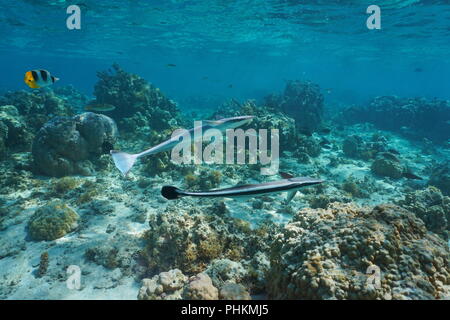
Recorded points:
(246, 49)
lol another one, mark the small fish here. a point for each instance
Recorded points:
(418, 70)
(328, 91)
(289, 184)
(171, 65)
(325, 143)
(410, 175)
(205, 78)
(125, 161)
(39, 79)
(230, 86)
(101, 107)
(325, 130)
(305, 132)
(106, 146)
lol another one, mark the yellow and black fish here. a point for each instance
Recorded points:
(39, 78)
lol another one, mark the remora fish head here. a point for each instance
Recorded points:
(235, 122)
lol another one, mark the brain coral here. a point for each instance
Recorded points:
(326, 253)
(52, 221)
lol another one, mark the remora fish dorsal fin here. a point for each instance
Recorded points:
(290, 196)
(285, 175)
(123, 161)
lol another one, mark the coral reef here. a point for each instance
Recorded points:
(174, 285)
(430, 206)
(233, 291)
(165, 286)
(43, 264)
(52, 221)
(65, 146)
(225, 270)
(414, 117)
(36, 108)
(440, 177)
(302, 101)
(204, 180)
(326, 254)
(191, 240)
(14, 132)
(138, 103)
(200, 287)
(265, 118)
(356, 147)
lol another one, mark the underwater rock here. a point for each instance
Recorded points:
(326, 254)
(440, 177)
(234, 291)
(52, 221)
(200, 287)
(65, 146)
(138, 103)
(413, 117)
(387, 168)
(14, 132)
(165, 286)
(430, 206)
(302, 101)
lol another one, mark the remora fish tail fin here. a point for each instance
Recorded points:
(123, 161)
(171, 193)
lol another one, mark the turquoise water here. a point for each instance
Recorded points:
(367, 111)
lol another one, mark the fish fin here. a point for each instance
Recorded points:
(290, 196)
(285, 175)
(123, 161)
(212, 122)
(171, 193)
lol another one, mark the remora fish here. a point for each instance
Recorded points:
(125, 161)
(289, 184)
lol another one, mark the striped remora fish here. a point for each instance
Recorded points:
(289, 184)
(125, 161)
